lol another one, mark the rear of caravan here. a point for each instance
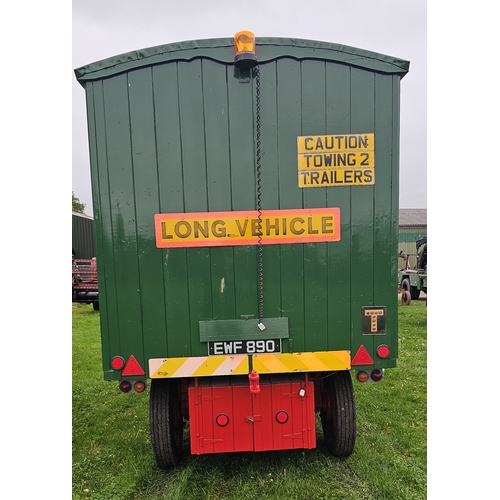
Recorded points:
(246, 222)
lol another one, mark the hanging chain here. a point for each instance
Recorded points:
(259, 199)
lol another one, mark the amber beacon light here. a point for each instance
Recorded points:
(244, 50)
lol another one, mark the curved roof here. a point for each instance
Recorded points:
(222, 50)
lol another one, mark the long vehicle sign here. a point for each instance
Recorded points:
(178, 230)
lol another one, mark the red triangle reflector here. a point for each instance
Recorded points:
(362, 357)
(132, 367)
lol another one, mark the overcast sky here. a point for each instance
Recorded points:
(103, 29)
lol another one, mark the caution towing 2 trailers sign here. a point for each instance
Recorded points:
(178, 230)
(336, 160)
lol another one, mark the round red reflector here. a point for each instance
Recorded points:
(125, 386)
(383, 351)
(117, 363)
(377, 375)
(222, 419)
(139, 386)
(282, 417)
(362, 376)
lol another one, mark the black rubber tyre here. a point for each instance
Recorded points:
(165, 420)
(414, 292)
(338, 419)
(406, 298)
(95, 306)
(405, 285)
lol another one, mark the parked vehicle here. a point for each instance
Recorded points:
(85, 288)
(246, 201)
(414, 280)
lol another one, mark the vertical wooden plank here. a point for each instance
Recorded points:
(171, 193)
(270, 187)
(385, 232)
(338, 121)
(215, 105)
(313, 105)
(392, 316)
(269, 137)
(362, 209)
(123, 222)
(215, 102)
(289, 128)
(241, 141)
(192, 132)
(102, 219)
(146, 192)
(290, 196)
(315, 254)
(242, 157)
(385, 239)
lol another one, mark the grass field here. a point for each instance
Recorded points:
(112, 456)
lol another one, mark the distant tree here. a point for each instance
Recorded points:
(78, 206)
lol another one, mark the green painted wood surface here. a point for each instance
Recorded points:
(243, 329)
(179, 136)
(338, 117)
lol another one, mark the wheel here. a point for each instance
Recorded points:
(95, 306)
(338, 418)
(406, 298)
(165, 420)
(405, 285)
(413, 292)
